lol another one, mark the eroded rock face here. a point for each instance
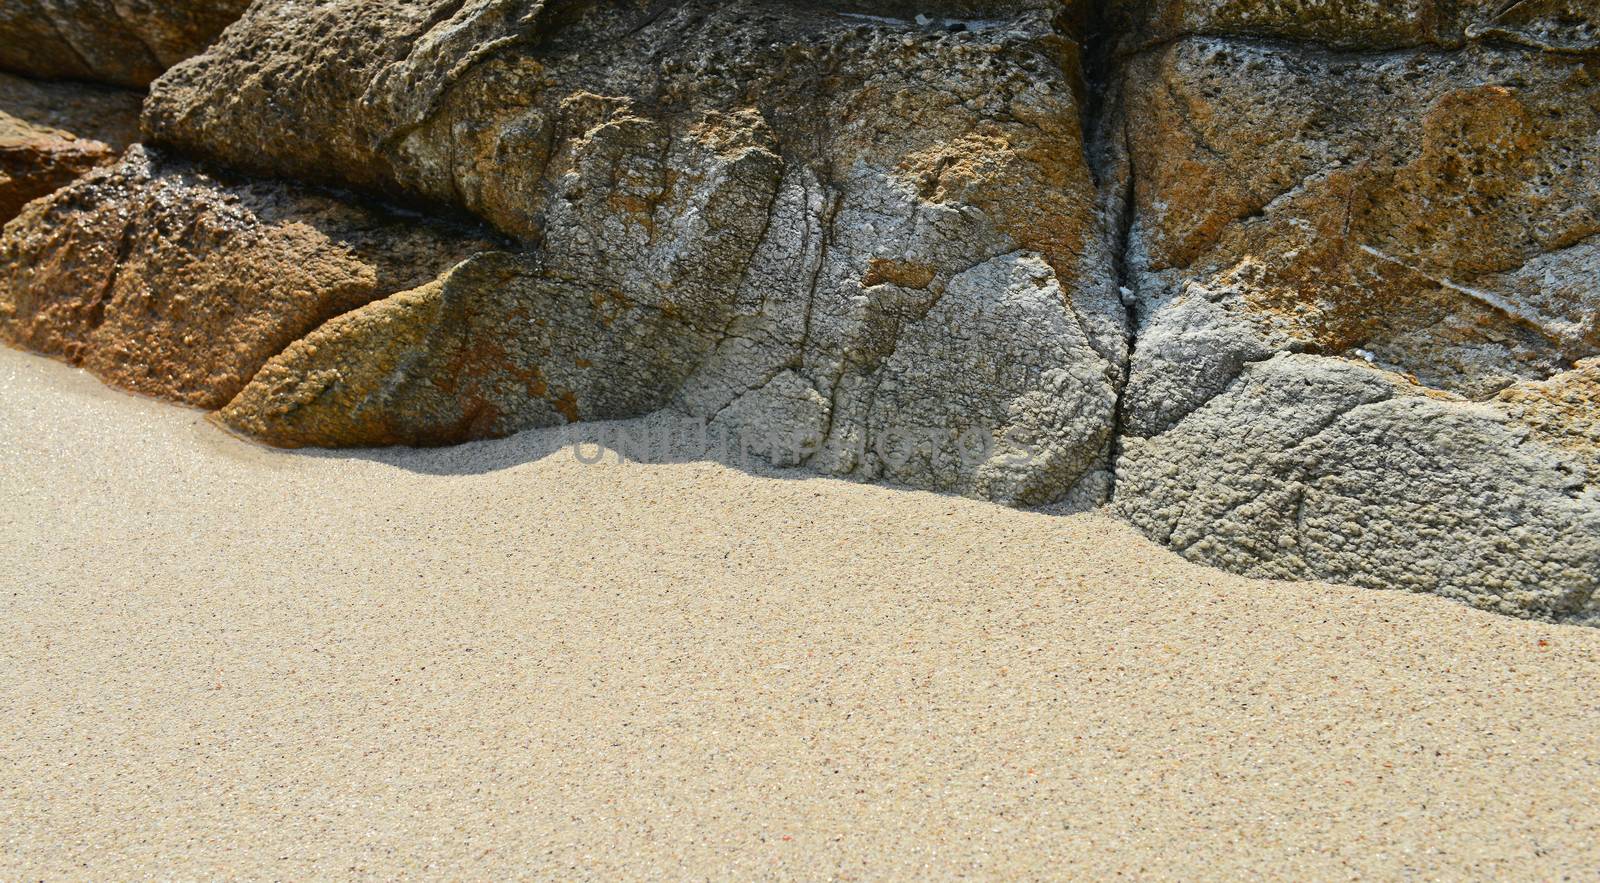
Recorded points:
(1359, 242)
(53, 133)
(1557, 25)
(1435, 212)
(122, 42)
(1425, 220)
(170, 283)
(1315, 468)
(723, 203)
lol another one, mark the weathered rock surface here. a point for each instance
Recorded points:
(1564, 413)
(434, 365)
(1436, 211)
(1315, 468)
(122, 42)
(170, 283)
(723, 202)
(1359, 241)
(1557, 25)
(53, 133)
(1431, 212)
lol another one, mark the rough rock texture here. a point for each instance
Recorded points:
(170, 283)
(724, 203)
(1430, 212)
(122, 42)
(1309, 467)
(1564, 413)
(52, 133)
(1314, 297)
(1557, 25)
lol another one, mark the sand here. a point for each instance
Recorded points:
(496, 661)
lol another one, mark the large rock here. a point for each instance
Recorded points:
(1359, 240)
(168, 282)
(122, 42)
(53, 133)
(1315, 468)
(880, 233)
(1434, 213)
(1428, 214)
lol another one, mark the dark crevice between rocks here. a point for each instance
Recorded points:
(1132, 318)
(1106, 148)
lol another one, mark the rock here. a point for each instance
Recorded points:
(1411, 206)
(121, 42)
(1559, 25)
(1358, 241)
(1314, 468)
(1353, 271)
(53, 133)
(434, 366)
(723, 205)
(1563, 412)
(170, 283)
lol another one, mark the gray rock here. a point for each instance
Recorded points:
(1315, 468)
(796, 222)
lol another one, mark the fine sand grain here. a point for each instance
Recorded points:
(222, 661)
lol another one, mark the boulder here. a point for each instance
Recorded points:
(53, 133)
(121, 42)
(172, 283)
(1309, 467)
(1364, 280)
(895, 212)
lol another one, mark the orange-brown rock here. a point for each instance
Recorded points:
(122, 42)
(52, 133)
(1563, 412)
(1432, 213)
(171, 283)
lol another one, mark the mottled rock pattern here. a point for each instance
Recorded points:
(1435, 211)
(1407, 191)
(170, 283)
(122, 42)
(1352, 243)
(434, 366)
(895, 212)
(1557, 25)
(1564, 413)
(1314, 468)
(52, 133)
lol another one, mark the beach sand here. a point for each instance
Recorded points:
(495, 661)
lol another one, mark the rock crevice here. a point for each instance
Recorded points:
(1304, 289)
